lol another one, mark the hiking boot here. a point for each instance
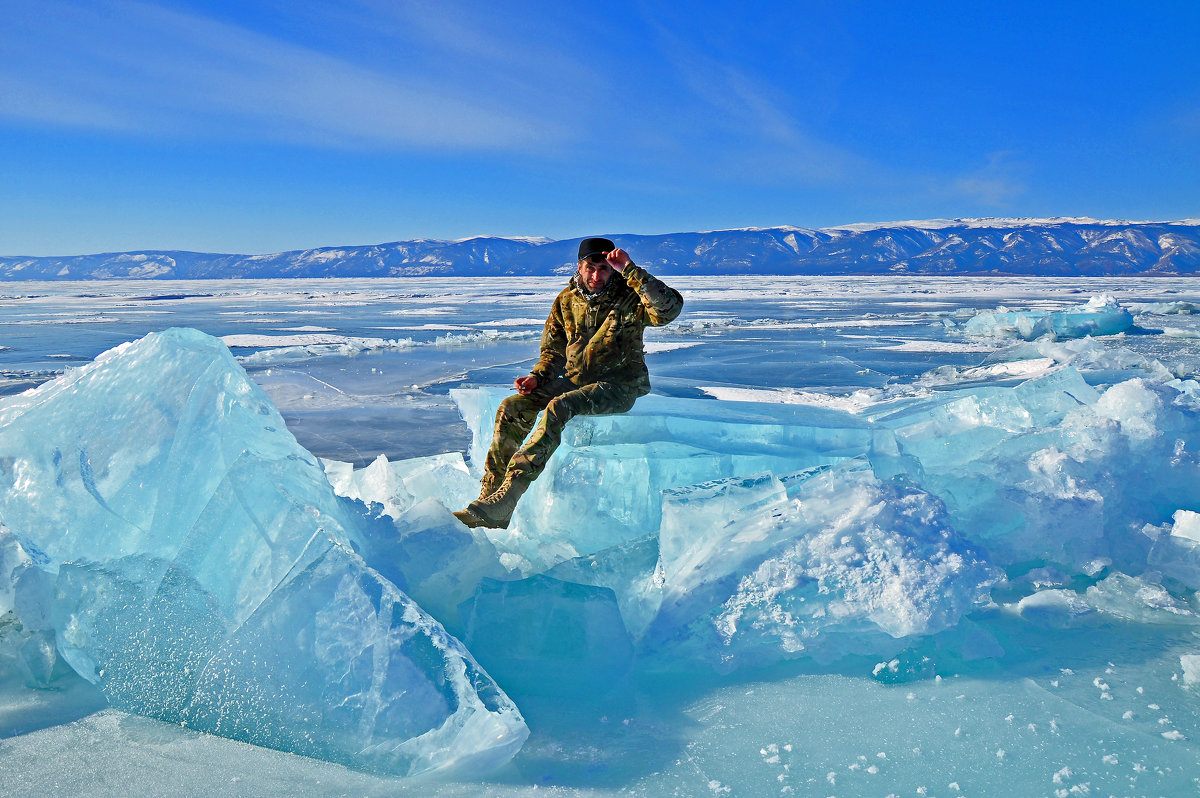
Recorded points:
(469, 519)
(487, 486)
(495, 511)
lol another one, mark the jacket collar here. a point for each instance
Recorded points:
(610, 288)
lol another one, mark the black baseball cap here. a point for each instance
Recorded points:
(595, 246)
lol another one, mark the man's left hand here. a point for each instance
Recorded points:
(618, 259)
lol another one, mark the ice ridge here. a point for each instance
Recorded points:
(737, 533)
(1101, 315)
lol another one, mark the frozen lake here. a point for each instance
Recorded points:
(364, 367)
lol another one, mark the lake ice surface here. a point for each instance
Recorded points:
(360, 368)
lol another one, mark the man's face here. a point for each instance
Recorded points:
(594, 272)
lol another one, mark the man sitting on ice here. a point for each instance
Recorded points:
(592, 363)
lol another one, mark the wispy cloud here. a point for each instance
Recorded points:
(761, 135)
(1188, 121)
(996, 184)
(136, 67)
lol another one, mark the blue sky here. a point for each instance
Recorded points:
(268, 125)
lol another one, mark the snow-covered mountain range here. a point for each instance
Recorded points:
(1060, 246)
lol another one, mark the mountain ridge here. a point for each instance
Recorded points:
(1057, 246)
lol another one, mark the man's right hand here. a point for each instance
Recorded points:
(525, 385)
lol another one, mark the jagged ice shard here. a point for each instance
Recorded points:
(192, 560)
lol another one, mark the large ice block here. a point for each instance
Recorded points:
(207, 574)
(1101, 315)
(1054, 470)
(825, 562)
(601, 487)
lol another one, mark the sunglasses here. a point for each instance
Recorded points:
(596, 260)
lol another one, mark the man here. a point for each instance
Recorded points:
(592, 362)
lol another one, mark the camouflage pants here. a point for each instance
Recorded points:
(561, 400)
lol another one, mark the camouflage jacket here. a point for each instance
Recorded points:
(599, 338)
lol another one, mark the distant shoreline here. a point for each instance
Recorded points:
(967, 247)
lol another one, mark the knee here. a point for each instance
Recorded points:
(509, 408)
(560, 410)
